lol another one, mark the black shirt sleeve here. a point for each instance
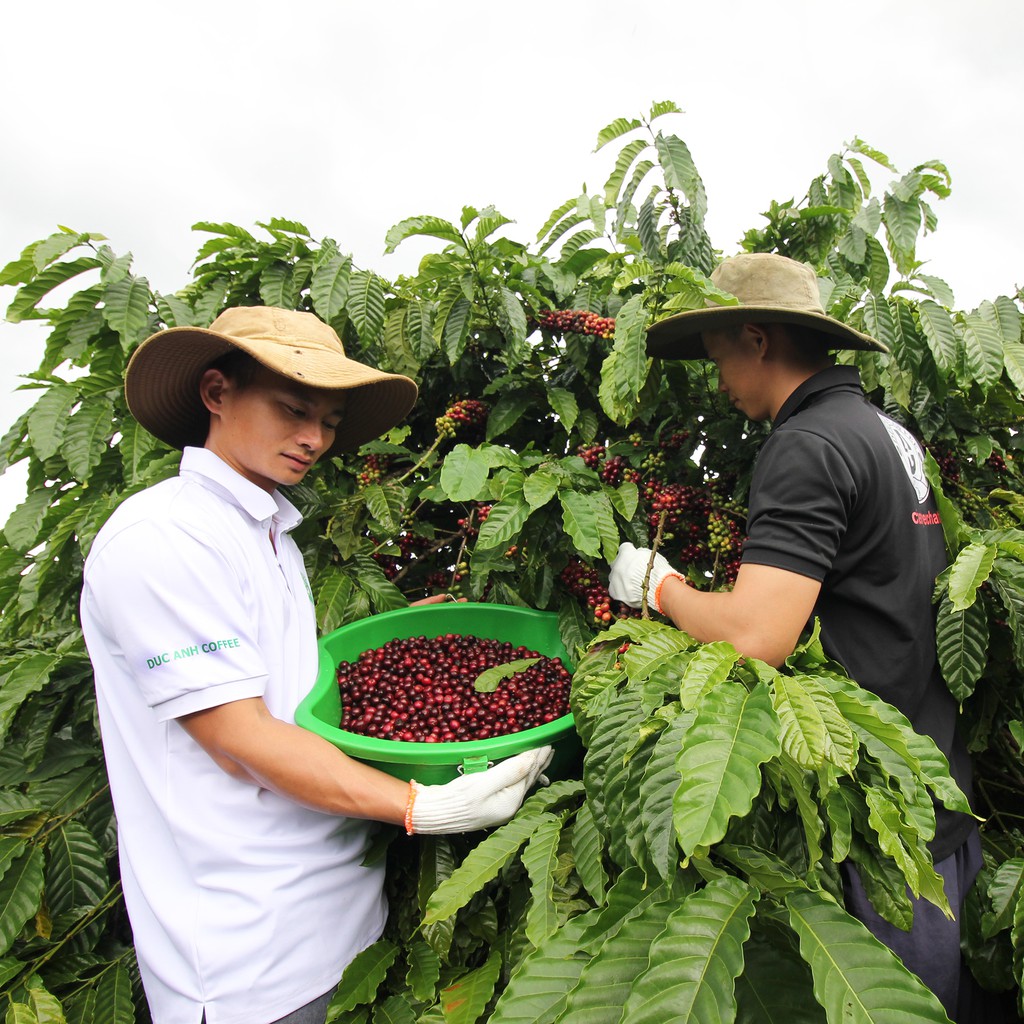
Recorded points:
(801, 496)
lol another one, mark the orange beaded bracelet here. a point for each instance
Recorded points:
(657, 590)
(409, 801)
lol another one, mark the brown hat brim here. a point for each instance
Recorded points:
(679, 336)
(162, 385)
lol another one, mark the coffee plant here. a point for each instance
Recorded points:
(689, 869)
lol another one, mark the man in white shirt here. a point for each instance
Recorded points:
(241, 835)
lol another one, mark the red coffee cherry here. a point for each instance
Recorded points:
(421, 690)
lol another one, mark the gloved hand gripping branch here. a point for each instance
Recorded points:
(626, 581)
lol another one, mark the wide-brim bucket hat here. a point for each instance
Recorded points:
(770, 289)
(162, 380)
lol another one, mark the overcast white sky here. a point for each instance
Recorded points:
(138, 119)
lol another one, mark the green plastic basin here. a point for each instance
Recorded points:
(432, 763)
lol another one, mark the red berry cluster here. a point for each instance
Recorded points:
(471, 523)
(411, 543)
(583, 583)
(578, 321)
(677, 501)
(704, 528)
(374, 468)
(674, 441)
(467, 412)
(437, 581)
(421, 690)
(997, 462)
(949, 464)
(613, 469)
(391, 565)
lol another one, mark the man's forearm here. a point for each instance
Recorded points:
(762, 616)
(253, 746)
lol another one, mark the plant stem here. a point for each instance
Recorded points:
(645, 612)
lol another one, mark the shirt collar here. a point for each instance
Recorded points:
(834, 378)
(216, 475)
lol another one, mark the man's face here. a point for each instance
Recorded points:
(272, 430)
(740, 376)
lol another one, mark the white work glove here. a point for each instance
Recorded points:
(477, 800)
(626, 582)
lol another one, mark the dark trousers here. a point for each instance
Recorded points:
(314, 1012)
(931, 949)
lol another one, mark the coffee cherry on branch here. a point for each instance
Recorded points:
(577, 321)
(949, 464)
(391, 565)
(674, 441)
(592, 454)
(471, 523)
(421, 690)
(583, 583)
(374, 468)
(467, 413)
(613, 469)
(997, 462)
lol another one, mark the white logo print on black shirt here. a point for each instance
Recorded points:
(910, 454)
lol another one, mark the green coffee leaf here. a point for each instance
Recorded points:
(962, 639)
(506, 517)
(27, 298)
(734, 733)
(588, 519)
(435, 227)
(938, 330)
(86, 436)
(695, 960)
(464, 473)
(983, 346)
(21, 890)
(587, 846)
(481, 865)
(842, 952)
(512, 321)
(424, 970)
(76, 871)
(540, 982)
(329, 286)
(363, 977)
(540, 487)
(814, 730)
(490, 679)
(278, 286)
(540, 858)
(365, 305)
(126, 309)
(386, 505)
(114, 996)
(22, 528)
(606, 981)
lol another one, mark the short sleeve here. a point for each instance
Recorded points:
(173, 606)
(801, 495)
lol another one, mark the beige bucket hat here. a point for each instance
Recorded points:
(771, 289)
(162, 380)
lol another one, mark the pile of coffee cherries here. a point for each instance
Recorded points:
(421, 690)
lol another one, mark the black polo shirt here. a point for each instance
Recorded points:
(839, 494)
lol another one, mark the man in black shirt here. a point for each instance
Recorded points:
(843, 526)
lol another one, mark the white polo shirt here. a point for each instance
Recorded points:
(242, 903)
